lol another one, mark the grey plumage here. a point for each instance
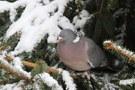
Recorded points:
(78, 53)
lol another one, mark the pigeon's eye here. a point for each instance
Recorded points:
(67, 34)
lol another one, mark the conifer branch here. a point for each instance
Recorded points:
(8, 68)
(26, 63)
(120, 52)
(119, 49)
(30, 64)
(127, 82)
(101, 8)
(78, 3)
(10, 81)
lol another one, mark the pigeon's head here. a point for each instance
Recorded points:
(66, 35)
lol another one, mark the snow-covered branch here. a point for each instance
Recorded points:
(127, 82)
(16, 69)
(37, 19)
(14, 86)
(49, 81)
(70, 85)
(110, 45)
(17, 63)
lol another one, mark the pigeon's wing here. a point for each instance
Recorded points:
(95, 54)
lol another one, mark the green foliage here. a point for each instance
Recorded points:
(42, 67)
(19, 12)
(4, 46)
(70, 10)
(102, 25)
(83, 83)
(12, 42)
(108, 23)
(9, 0)
(7, 78)
(44, 51)
(4, 22)
(122, 53)
(98, 30)
(79, 5)
(111, 4)
(91, 6)
(128, 73)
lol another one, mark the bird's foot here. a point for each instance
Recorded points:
(84, 74)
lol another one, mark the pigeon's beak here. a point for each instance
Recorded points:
(59, 39)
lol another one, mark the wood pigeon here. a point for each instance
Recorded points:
(78, 53)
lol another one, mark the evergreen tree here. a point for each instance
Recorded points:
(29, 61)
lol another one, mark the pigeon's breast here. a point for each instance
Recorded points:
(74, 56)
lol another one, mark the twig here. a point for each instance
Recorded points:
(29, 64)
(101, 7)
(100, 10)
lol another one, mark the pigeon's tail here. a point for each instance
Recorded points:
(112, 64)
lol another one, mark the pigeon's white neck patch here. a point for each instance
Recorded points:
(76, 39)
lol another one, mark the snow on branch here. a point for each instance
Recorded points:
(127, 82)
(37, 19)
(108, 44)
(13, 86)
(16, 69)
(70, 85)
(18, 64)
(81, 19)
(107, 85)
(49, 81)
